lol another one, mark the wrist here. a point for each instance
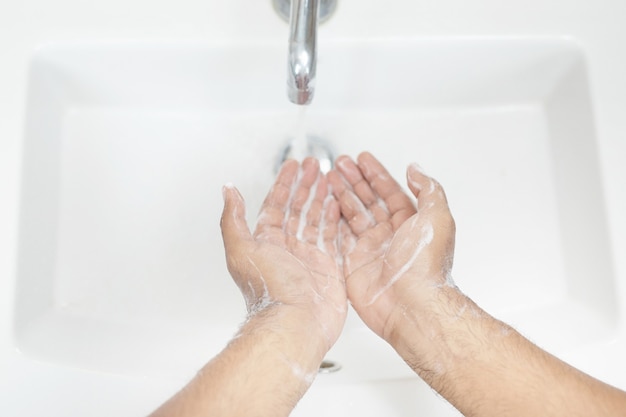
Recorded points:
(294, 331)
(438, 334)
(270, 364)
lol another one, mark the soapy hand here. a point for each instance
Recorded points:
(396, 255)
(397, 260)
(291, 260)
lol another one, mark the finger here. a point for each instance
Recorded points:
(361, 188)
(347, 239)
(358, 217)
(272, 213)
(312, 219)
(302, 199)
(428, 191)
(432, 201)
(233, 223)
(338, 183)
(328, 230)
(400, 206)
(315, 213)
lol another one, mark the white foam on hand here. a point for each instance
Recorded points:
(426, 237)
(306, 208)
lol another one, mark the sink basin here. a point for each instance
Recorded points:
(121, 266)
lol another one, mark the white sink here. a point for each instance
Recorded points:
(121, 264)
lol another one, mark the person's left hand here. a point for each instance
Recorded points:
(291, 261)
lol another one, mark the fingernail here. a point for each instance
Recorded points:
(349, 168)
(416, 167)
(289, 160)
(226, 187)
(341, 161)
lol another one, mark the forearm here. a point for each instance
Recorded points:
(485, 368)
(263, 371)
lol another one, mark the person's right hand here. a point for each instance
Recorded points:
(397, 261)
(397, 257)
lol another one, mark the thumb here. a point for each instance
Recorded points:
(233, 222)
(417, 180)
(427, 191)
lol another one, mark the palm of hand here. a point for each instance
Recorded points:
(302, 275)
(291, 259)
(376, 264)
(387, 238)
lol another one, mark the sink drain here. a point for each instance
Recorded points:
(310, 145)
(328, 367)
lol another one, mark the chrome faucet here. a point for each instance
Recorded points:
(302, 57)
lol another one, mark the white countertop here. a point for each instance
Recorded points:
(30, 388)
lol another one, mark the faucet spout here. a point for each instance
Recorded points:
(302, 58)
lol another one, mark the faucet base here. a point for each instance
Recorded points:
(311, 146)
(327, 8)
